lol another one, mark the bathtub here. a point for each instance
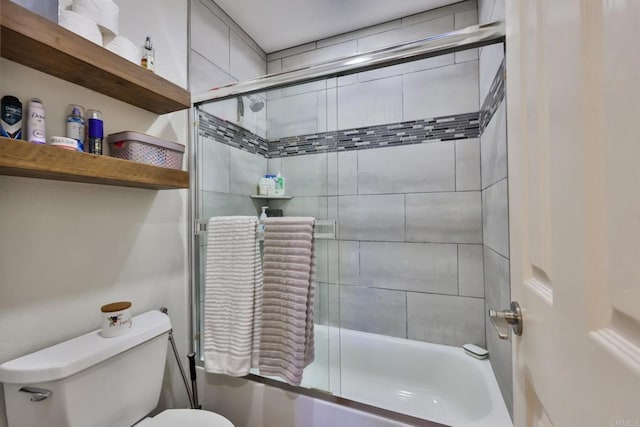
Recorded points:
(427, 381)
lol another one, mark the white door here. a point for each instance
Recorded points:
(573, 91)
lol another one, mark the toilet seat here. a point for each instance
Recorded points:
(187, 418)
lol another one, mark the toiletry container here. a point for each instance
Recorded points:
(279, 180)
(36, 128)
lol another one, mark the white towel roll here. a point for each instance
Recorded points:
(105, 12)
(81, 25)
(125, 48)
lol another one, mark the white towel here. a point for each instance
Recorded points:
(287, 341)
(233, 296)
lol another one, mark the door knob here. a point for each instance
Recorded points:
(502, 319)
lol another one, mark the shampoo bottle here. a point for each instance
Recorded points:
(279, 185)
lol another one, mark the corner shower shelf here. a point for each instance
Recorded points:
(263, 197)
(34, 41)
(21, 158)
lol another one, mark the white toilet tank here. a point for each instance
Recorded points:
(94, 381)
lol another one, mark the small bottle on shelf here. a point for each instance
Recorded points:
(148, 55)
(279, 191)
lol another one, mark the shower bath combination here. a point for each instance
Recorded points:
(402, 280)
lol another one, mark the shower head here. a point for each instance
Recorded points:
(256, 103)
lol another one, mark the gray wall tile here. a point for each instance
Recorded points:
(245, 63)
(348, 172)
(274, 66)
(500, 358)
(470, 271)
(496, 280)
(349, 259)
(221, 204)
(372, 217)
(464, 20)
(467, 164)
(322, 260)
(370, 103)
(441, 91)
(321, 304)
(439, 12)
(378, 311)
(204, 74)
(407, 169)
(214, 47)
(291, 51)
(490, 59)
(302, 206)
(333, 262)
(419, 267)
(445, 319)
(493, 145)
(444, 217)
(214, 171)
(305, 175)
(332, 174)
(274, 166)
(245, 171)
(495, 217)
(406, 33)
(319, 55)
(292, 115)
(397, 70)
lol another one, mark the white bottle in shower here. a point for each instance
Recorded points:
(261, 221)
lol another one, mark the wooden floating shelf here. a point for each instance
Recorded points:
(263, 197)
(34, 41)
(21, 158)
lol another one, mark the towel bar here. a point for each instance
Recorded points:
(325, 228)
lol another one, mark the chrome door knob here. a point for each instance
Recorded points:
(502, 319)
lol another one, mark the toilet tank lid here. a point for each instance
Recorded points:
(70, 357)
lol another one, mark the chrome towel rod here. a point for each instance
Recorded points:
(324, 228)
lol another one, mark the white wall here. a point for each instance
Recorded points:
(68, 248)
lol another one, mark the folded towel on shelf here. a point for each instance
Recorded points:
(287, 342)
(233, 296)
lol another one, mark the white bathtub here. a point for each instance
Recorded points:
(427, 381)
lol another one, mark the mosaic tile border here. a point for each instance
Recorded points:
(494, 97)
(231, 134)
(448, 128)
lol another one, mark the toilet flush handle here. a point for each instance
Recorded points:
(37, 394)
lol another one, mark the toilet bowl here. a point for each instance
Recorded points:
(95, 381)
(186, 418)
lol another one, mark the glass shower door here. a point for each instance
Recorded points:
(241, 140)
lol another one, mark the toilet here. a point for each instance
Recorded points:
(92, 381)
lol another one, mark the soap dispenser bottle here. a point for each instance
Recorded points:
(261, 221)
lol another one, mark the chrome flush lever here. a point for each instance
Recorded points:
(502, 319)
(37, 394)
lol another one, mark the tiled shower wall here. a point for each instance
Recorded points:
(408, 261)
(495, 202)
